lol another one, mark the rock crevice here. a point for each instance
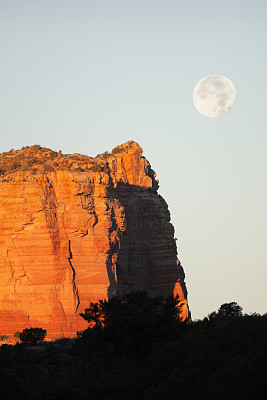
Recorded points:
(75, 289)
(83, 229)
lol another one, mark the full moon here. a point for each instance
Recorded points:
(214, 96)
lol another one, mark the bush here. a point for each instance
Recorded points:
(95, 168)
(52, 154)
(106, 154)
(78, 169)
(32, 335)
(117, 150)
(31, 161)
(49, 168)
(36, 147)
(14, 165)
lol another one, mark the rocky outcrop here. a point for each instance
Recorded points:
(76, 229)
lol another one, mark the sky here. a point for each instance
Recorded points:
(84, 76)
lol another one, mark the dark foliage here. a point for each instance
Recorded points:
(32, 335)
(226, 312)
(49, 168)
(120, 149)
(131, 323)
(136, 349)
(117, 150)
(99, 168)
(104, 155)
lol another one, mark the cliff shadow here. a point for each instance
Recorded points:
(144, 257)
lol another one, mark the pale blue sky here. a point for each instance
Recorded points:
(85, 76)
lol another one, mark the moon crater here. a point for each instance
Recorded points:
(214, 96)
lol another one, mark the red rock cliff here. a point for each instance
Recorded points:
(76, 229)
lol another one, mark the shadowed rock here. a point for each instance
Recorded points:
(76, 229)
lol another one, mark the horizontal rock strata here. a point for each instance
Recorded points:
(76, 229)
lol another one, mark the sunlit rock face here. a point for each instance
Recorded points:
(76, 229)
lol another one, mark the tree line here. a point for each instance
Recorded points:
(136, 347)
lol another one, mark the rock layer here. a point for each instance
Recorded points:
(72, 236)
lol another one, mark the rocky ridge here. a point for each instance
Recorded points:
(76, 229)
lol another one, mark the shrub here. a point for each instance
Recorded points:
(96, 168)
(49, 168)
(52, 154)
(116, 150)
(121, 149)
(36, 147)
(32, 335)
(31, 161)
(14, 165)
(106, 154)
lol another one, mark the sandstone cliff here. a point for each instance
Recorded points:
(76, 229)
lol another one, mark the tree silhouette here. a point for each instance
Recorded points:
(132, 322)
(227, 311)
(32, 335)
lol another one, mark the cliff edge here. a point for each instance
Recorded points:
(75, 229)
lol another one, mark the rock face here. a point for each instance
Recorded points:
(76, 229)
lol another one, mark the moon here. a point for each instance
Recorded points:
(214, 96)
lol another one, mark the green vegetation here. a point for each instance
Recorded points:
(106, 154)
(116, 150)
(36, 159)
(95, 167)
(137, 348)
